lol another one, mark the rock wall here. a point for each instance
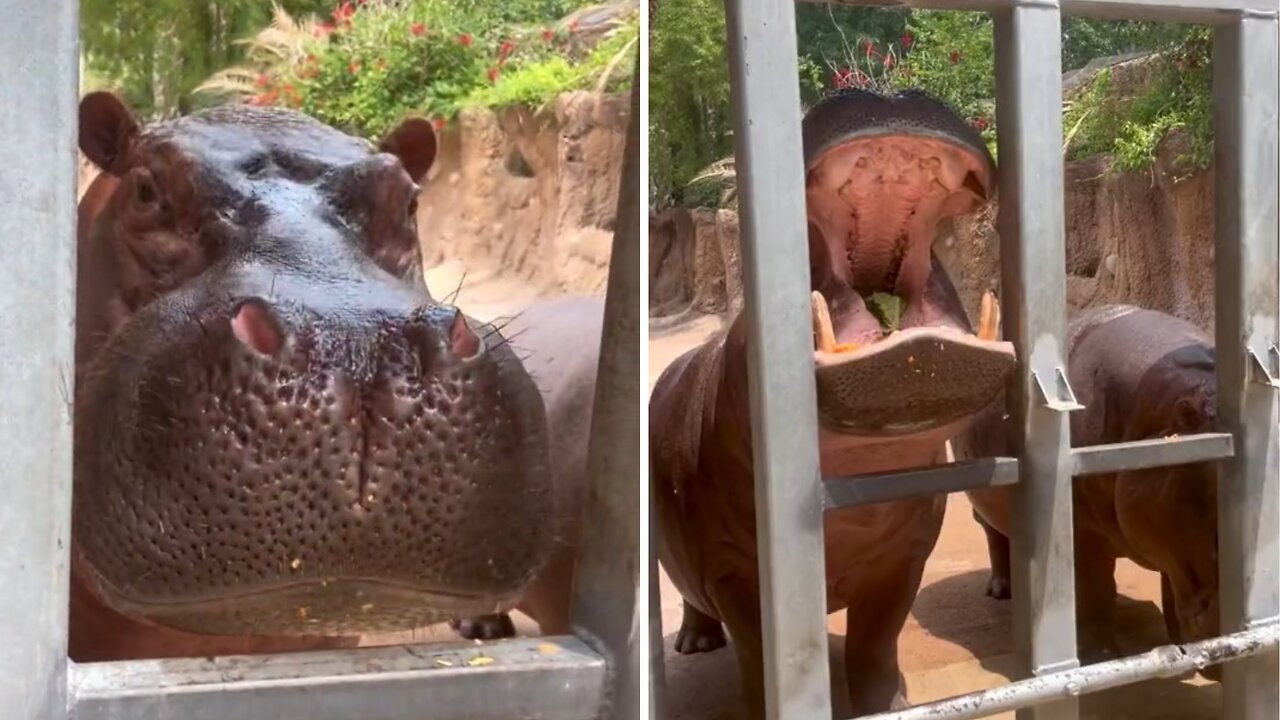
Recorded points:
(531, 195)
(1139, 238)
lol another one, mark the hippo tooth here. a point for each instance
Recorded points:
(825, 334)
(988, 326)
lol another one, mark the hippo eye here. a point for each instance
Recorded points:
(145, 190)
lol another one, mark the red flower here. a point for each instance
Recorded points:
(342, 15)
(263, 80)
(548, 34)
(955, 57)
(505, 49)
(868, 45)
(862, 79)
(465, 40)
(493, 74)
(981, 124)
(418, 29)
(265, 98)
(438, 124)
(323, 29)
(888, 61)
(907, 40)
(354, 67)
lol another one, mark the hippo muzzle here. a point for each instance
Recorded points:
(881, 174)
(292, 439)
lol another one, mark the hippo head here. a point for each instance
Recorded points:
(278, 429)
(1169, 515)
(881, 173)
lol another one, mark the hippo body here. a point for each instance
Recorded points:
(1141, 375)
(881, 173)
(283, 441)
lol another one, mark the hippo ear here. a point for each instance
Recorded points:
(107, 130)
(414, 142)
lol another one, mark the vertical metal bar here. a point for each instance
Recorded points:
(1032, 232)
(39, 47)
(606, 603)
(1246, 288)
(657, 668)
(784, 424)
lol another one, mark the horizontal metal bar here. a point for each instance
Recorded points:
(558, 677)
(953, 477)
(1207, 12)
(1166, 661)
(1144, 454)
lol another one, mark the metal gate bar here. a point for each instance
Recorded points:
(1247, 261)
(532, 677)
(1028, 52)
(999, 471)
(784, 423)
(563, 677)
(37, 323)
(762, 64)
(1166, 661)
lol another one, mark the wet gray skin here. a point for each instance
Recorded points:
(278, 429)
(881, 173)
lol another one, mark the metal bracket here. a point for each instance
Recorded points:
(1062, 399)
(1264, 373)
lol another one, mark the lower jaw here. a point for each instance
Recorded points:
(329, 606)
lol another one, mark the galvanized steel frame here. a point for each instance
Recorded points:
(790, 496)
(595, 674)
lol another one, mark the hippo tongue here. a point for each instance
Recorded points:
(910, 381)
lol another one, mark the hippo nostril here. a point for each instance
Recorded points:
(254, 326)
(462, 339)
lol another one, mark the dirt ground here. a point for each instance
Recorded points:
(957, 639)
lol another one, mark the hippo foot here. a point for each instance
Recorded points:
(699, 633)
(485, 627)
(999, 588)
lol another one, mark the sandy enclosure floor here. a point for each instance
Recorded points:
(957, 639)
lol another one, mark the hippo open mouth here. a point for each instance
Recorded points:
(279, 431)
(881, 173)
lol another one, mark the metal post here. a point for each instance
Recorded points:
(1032, 236)
(606, 591)
(39, 45)
(1245, 99)
(784, 423)
(657, 669)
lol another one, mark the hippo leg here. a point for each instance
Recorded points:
(1095, 596)
(485, 627)
(874, 619)
(999, 586)
(738, 602)
(699, 632)
(1169, 608)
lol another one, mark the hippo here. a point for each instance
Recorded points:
(283, 440)
(881, 173)
(1141, 375)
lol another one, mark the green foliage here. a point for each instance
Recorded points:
(1131, 130)
(607, 67)
(155, 52)
(689, 125)
(376, 63)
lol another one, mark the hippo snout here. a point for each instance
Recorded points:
(260, 465)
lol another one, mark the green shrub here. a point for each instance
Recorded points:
(372, 64)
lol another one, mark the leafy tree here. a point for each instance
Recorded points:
(155, 52)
